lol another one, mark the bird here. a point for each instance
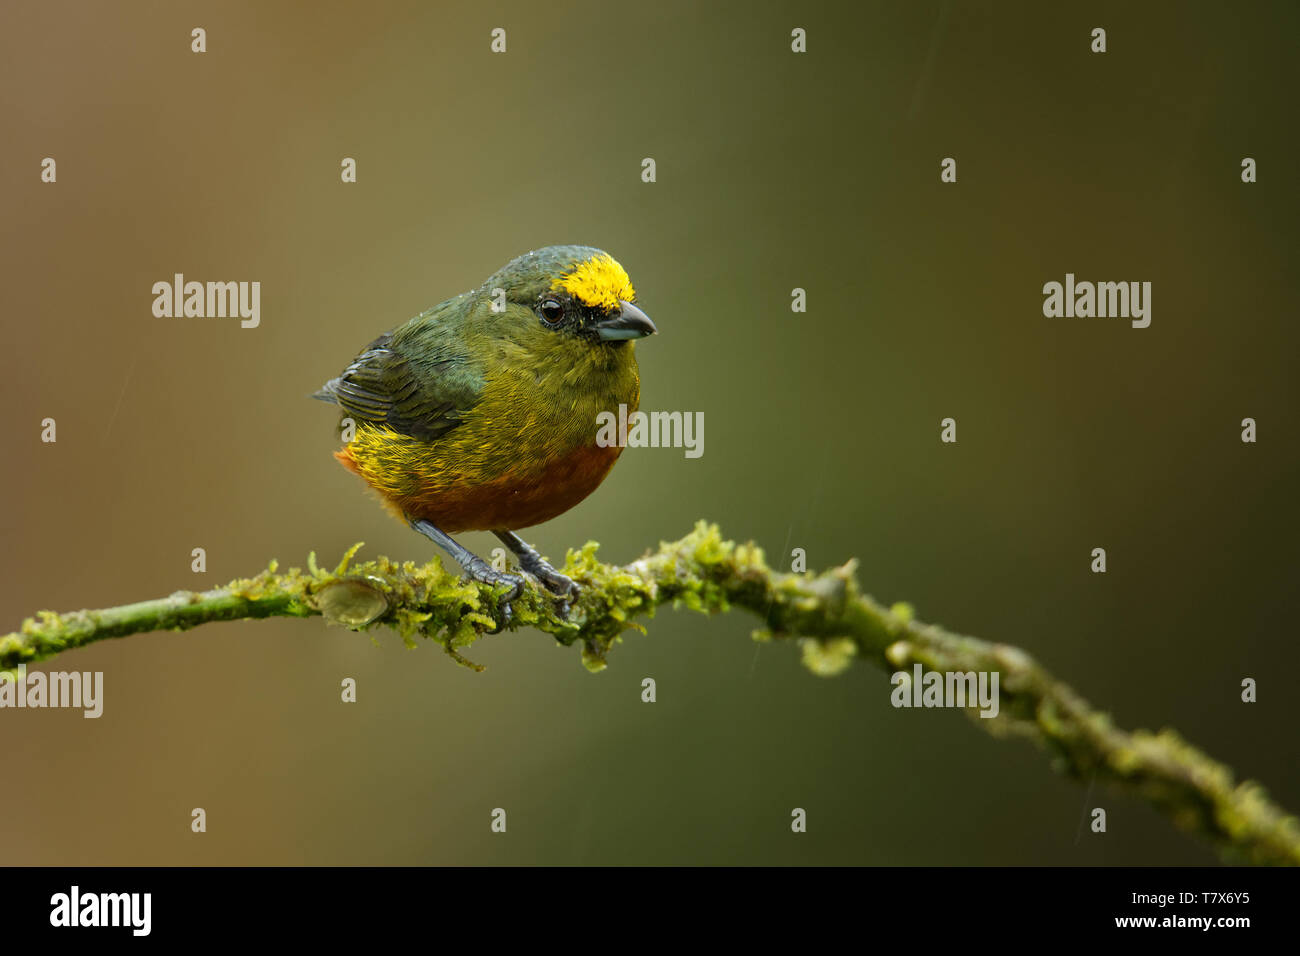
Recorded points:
(480, 414)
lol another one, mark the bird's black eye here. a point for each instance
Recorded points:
(552, 310)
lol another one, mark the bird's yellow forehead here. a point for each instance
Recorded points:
(598, 283)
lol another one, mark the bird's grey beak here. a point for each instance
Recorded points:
(627, 323)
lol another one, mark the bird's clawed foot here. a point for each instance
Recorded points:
(558, 584)
(562, 586)
(477, 569)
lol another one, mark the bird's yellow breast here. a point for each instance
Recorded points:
(523, 454)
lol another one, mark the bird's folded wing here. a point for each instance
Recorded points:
(423, 400)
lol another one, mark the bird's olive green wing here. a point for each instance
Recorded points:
(422, 396)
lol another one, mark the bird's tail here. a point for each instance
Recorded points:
(329, 392)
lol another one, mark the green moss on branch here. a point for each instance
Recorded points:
(833, 622)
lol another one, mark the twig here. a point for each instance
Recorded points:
(825, 613)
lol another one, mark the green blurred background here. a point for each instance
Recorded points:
(775, 170)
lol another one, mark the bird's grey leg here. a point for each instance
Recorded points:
(557, 583)
(475, 567)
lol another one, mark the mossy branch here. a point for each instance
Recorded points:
(832, 621)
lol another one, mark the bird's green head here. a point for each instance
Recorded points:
(576, 291)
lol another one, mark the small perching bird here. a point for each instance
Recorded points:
(480, 414)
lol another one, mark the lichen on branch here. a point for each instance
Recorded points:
(832, 621)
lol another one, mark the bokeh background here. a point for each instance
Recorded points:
(775, 170)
